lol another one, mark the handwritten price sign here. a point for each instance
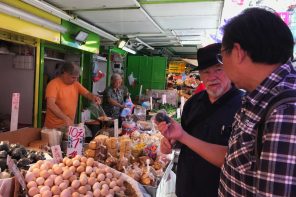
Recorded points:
(75, 141)
(13, 168)
(57, 153)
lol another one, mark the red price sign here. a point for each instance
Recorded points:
(56, 153)
(75, 141)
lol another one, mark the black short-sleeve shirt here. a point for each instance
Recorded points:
(210, 122)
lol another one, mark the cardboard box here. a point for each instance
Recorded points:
(21, 136)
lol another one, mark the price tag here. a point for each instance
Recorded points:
(163, 98)
(151, 104)
(178, 113)
(116, 128)
(13, 168)
(56, 153)
(182, 104)
(75, 141)
(14, 111)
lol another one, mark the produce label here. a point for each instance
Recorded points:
(75, 141)
(14, 111)
(116, 128)
(13, 168)
(56, 153)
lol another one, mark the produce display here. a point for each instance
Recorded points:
(136, 155)
(79, 176)
(22, 156)
(170, 109)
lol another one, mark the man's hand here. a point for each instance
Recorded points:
(97, 100)
(68, 121)
(172, 131)
(165, 146)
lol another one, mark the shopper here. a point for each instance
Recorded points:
(256, 49)
(207, 116)
(62, 97)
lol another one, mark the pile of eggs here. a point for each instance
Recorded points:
(75, 177)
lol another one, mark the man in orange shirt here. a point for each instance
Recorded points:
(62, 95)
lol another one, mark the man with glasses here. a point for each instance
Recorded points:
(261, 159)
(205, 127)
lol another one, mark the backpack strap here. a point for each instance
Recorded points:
(283, 97)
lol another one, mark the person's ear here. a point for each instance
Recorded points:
(239, 53)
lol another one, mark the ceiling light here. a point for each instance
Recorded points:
(81, 37)
(49, 8)
(121, 44)
(11, 11)
(129, 50)
(63, 15)
(190, 42)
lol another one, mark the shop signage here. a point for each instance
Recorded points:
(176, 67)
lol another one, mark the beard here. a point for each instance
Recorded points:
(216, 93)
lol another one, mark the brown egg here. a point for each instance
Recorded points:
(93, 174)
(66, 193)
(80, 169)
(101, 177)
(31, 184)
(44, 173)
(109, 175)
(55, 190)
(43, 189)
(72, 178)
(67, 174)
(75, 184)
(91, 180)
(88, 170)
(76, 163)
(46, 193)
(49, 182)
(33, 191)
(58, 180)
(69, 162)
(97, 193)
(30, 176)
(57, 170)
(112, 184)
(104, 192)
(96, 186)
(90, 161)
(82, 190)
(72, 169)
(75, 194)
(40, 181)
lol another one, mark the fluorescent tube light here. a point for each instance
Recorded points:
(63, 15)
(121, 44)
(11, 11)
(129, 50)
(49, 8)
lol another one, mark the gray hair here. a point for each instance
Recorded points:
(70, 68)
(115, 76)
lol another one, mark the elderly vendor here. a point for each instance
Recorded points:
(114, 97)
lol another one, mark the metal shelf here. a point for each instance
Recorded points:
(54, 59)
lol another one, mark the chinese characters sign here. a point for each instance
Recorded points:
(56, 153)
(75, 141)
(14, 111)
(12, 167)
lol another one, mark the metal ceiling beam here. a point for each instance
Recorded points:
(149, 17)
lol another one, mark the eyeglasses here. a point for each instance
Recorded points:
(219, 56)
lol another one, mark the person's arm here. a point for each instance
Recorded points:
(113, 102)
(277, 166)
(92, 98)
(213, 153)
(51, 105)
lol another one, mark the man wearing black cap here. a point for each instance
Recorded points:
(205, 128)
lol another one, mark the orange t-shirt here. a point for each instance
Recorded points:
(66, 99)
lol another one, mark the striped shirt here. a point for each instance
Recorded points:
(275, 175)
